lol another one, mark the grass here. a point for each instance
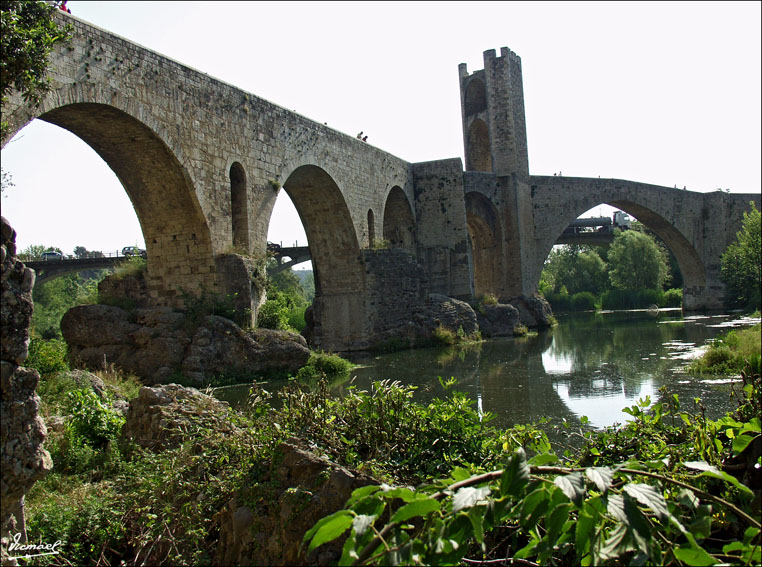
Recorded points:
(733, 353)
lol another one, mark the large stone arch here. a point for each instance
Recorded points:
(688, 259)
(337, 261)
(399, 221)
(486, 237)
(146, 162)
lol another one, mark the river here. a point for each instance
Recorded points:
(590, 364)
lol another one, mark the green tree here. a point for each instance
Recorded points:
(577, 268)
(34, 252)
(742, 261)
(28, 34)
(636, 261)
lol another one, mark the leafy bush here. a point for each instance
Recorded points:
(133, 266)
(444, 336)
(664, 508)
(47, 356)
(672, 298)
(626, 299)
(583, 301)
(273, 315)
(559, 302)
(323, 365)
(92, 419)
(731, 353)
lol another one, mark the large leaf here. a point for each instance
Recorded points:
(584, 532)
(694, 555)
(468, 496)
(649, 496)
(515, 475)
(714, 472)
(329, 528)
(601, 477)
(573, 485)
(415, 508)
(741, 442)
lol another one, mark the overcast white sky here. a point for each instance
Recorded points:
(664, 93)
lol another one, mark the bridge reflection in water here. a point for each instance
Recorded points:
(590, 364)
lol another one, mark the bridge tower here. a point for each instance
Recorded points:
(496, 181)
(492, 107)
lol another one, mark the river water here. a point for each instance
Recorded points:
(591, 364)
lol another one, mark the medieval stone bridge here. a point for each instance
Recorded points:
(203, 162)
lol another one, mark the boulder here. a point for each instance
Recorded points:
(270, 532)
(499, 320)
(163, 416)
(534, 311)
(97, 325)
(158, 344)
(220, 347)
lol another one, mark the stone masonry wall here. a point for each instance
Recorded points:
(23, 460)
(442, 231)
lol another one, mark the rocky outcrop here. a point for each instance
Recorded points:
(22, 431)
(534, 310)
(125, 290)
(158, 344)
(418, 330)
(270, 532)
(161, 417)
(498, 320)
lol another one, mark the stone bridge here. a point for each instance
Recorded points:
(203, 161)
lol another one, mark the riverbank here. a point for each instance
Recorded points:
(109, 500)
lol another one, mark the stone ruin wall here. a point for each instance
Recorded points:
(23, 431)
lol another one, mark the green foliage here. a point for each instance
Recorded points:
(384, 431)
(636, 299)
(87, 522)
(92, 420)
(735, 352)
(445, 336)
(323, 365)
(664, 508)
(28, 35)
(34, 252)
(636, 262)
(575, 268)
(672, 298)
(132, 266)
(54, 298)
(287, 301)
(583, 301)
(742, 263)
(47, 356)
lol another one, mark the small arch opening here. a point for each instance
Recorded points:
(479, 157)
(239, 207)
(476, 97)
(371, 228)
